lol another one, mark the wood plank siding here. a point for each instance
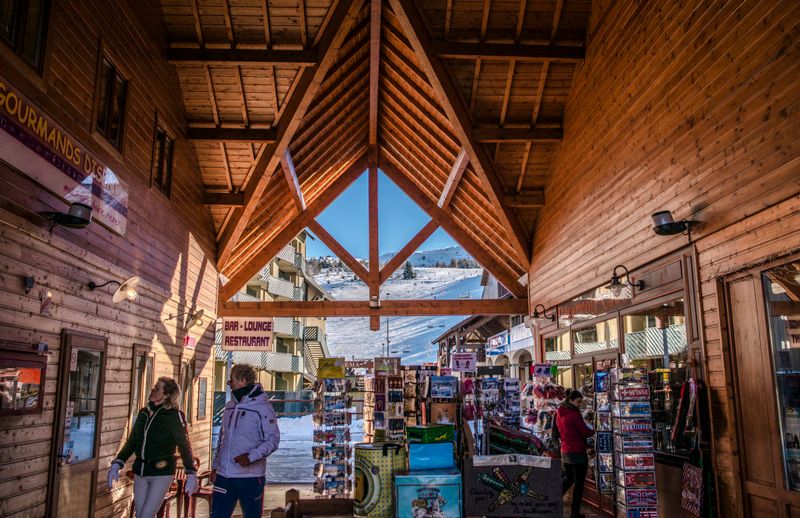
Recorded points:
(690, 107)
(169, 242)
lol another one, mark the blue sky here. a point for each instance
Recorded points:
(399, 219)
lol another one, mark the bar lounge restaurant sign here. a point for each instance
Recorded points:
(33, 144)
(247, 334)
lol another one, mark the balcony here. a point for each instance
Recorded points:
(290, 260)
(274, 362)
(281, 288)
(287, 327)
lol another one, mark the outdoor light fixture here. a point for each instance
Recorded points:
(617, 285)
(195, 319)
(78, 216)
(541, 319)
(126, 290)
(664, 225)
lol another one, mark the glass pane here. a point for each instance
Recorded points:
(20, 387)
(8, 9)
(117, 109)
(80, 425)
(186, 379)
(655, 340)
(106, 77)
(33, 40)
(602, 336)
(202, 389)
(556, 349)
(782, 294)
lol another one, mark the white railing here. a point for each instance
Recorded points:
(286, 326)
(280, 287)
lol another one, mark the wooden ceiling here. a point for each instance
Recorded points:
(459, 102)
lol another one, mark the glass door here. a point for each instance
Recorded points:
(79, 407)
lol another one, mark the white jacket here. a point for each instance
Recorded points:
(248, 426)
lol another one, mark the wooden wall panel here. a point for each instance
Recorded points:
(691, 108)
(169, 242)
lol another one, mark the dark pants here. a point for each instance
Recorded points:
(574, 474)
(249, 492)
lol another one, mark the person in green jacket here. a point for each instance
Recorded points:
(160, 427)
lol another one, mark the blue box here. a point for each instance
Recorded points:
(435, 455)
(428, 493)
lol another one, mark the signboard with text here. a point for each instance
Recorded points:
(32, 143)
(247, 334)
(463, 362)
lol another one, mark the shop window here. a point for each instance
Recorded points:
(112, 98)
(602, 336)
(23, 25)
(187, 389)
(22, 378)
(782, 294)
(163, 145)
(142, 380)
(557, 352)
(655, 340)
(202, 395)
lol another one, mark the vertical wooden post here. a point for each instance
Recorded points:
(374, 261)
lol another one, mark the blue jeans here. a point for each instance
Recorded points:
(249, 492)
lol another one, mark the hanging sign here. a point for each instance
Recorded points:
(331, 368)
(32, 143)
(463, 362)
(247, 334)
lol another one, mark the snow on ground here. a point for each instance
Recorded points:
(410, 336)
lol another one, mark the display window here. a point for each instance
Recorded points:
(782, 296)
(602, 336)
(655, 340)
(558, 352)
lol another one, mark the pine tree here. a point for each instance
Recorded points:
(408, 272)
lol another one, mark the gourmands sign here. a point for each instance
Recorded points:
(32, 143)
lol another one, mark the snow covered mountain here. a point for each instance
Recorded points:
(410, 337)
(432, 258)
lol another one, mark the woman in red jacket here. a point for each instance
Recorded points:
(574, 453)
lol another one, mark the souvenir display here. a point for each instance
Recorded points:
(634, 463)
(443, 413)
(546, 396)
(428, 494)
(444, 387)
(374, 467)
(430, 433)
(510, 405)
(331, 437)
(512, 486)
(604, 438)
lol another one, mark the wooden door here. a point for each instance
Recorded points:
(79, 410)
(763, 482)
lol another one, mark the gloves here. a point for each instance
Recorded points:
(191, 484)
(113, 474)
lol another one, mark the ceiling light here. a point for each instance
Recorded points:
(617, 285)
(125, 290)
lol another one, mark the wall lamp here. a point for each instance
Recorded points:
(617, 285)
(664, 225)
(125, 290)
(541, 319)
(78, 216)
(195, 319)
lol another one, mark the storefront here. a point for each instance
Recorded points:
(650, 324)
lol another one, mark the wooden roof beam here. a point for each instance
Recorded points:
(239, 56)
(532, 199)
(219, 134)
(287, 165)
(340, 251)
(401, 256)
(417, 33)
(224, 199)
(361, 308)
(501, 272)
(457, 171)
(518, 135)
(293, 227)
(374, 68)
(307, 85)
(506, 51)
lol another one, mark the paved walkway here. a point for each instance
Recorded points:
(275, 497)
